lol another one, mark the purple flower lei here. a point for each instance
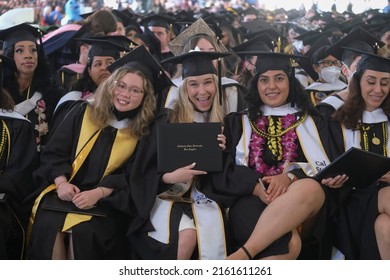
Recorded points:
(288, 146)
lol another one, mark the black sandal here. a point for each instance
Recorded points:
(246, 252)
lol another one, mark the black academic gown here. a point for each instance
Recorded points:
(16, 183)
(100, 237)
(245, 212)
(358, 207)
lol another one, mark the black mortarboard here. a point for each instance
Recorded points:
(273, 61)
(122, 17)
(307, 64)
(119, 40)
(158, 20)
(255, 26)
(151, 41)
(145, 62)
(309, 37)
(250, 11)
(370, 61)
(17, 33)
(103, 48)
(357, 37)
(196, 63)
(273, 33)
(262, 42)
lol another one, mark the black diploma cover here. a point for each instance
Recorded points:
(180, 144)
(363, 168)
(51, 201)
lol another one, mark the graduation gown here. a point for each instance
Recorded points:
(241, 179)
(98, 237)
(18, 160)
(36, 104)
(146, 183)
(358, 207)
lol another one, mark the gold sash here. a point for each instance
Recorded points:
(122, 149)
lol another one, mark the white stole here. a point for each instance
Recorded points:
(28, 105)
(208, 221)
(72, 95)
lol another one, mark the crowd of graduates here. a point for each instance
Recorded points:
(82, 105)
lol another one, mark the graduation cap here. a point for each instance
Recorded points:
(273, 33)
(197, 63)
(119, 40)
(158, 20)
(102, 48)
(309, 37)
(17, 33)
(255, 26)
(198, 27)
(370, 61)
(141, 59)
(150, 41)
(307, 64)
(262, 42)
(358, 38)
(122, 17)
(273, 61)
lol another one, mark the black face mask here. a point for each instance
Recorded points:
(126, 115)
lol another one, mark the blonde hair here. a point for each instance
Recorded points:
(184, 111)
(102, 107)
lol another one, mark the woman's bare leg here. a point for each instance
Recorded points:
(382, 223)
(59, 248)
(303, 199)
(187, 243)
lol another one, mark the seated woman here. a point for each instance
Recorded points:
(274, 147)
(30, 84)
(18, 159)
(362, 122)
(83, 168)
(180, 228)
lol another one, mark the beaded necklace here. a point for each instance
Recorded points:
(281, 142)
(4, 139)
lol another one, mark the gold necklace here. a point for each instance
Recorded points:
(279, 134)
(3, 140)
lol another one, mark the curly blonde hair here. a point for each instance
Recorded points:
(102, 107)
(184, 111)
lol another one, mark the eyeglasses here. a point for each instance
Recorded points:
(328, 63)
(122, 87)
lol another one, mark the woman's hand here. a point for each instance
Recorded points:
(222, 141)
(261, 192)
(66, 191)
(335, 182)
(277, 185)
(385, 178)
(87, 199)
(182, 175)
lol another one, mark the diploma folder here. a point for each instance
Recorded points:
(363, 168)
(180, 144)
(51, 201)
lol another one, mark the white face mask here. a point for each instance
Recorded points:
(298, 45)
(330, 74)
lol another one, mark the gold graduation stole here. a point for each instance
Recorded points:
(122, 149)
(5, 144)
